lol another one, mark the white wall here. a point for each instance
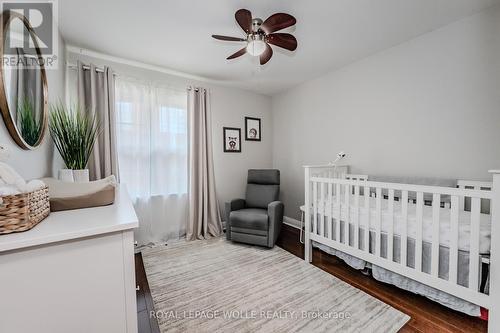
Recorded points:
(38, 162)
(229, 107)
(428, 107)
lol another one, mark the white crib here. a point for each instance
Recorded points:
(340, 208)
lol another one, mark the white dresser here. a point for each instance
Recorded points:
(74, 272)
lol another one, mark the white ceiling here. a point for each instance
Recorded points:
(176, 34)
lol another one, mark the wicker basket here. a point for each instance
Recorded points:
(22, 212)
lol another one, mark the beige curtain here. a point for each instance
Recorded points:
(203, 217)
(96, 93)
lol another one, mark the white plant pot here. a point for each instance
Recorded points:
(66, 175)
(81, 176)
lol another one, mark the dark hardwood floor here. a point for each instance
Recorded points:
(426, 315)
(145, 322)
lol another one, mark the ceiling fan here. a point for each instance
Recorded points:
(260, 34)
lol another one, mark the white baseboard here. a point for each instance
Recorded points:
(290, 221)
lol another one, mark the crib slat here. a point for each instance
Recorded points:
(367, 219)
(461, 199)
(453, 275)
(330, 210)
(436, 205)
(378, 224)
(356, 216)
(323, 210)
(404, 230)
(337, 217)
(390, 231)
(347, 215)
(315, 208)
(462, 204)
(474, 243)
(418, 240)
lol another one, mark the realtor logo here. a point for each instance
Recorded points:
(28, 25)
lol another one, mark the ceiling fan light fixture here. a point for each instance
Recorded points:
(256, 47)
(261, 35)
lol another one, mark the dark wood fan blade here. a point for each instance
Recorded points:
(268, 53)
(238, 54)
(285, 41)
(230, 39)
(244, 19)
(277, 22)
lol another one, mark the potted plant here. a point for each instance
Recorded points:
(74, 133)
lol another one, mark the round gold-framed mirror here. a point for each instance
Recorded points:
(23, 82)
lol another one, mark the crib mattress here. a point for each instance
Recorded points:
(464, 230)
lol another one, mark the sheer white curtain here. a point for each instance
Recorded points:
(152, 153)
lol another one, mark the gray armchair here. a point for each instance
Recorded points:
(256, 220)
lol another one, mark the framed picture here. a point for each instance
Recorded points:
(232, 140)
(252, 129)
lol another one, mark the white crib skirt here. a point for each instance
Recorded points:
(402, 282)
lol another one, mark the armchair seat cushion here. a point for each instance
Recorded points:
(250, 218)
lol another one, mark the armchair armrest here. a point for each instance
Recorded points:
(235, 204)
(230, 206)
(275, 211)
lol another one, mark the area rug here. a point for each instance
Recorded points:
(218, 286)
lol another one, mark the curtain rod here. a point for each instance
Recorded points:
(195, 89)
(87, 68)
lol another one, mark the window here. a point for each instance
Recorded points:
(125, 117)
(152, 139)
(173, 120)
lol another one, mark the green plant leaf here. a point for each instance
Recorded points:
(30, 126)
(74, 133)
